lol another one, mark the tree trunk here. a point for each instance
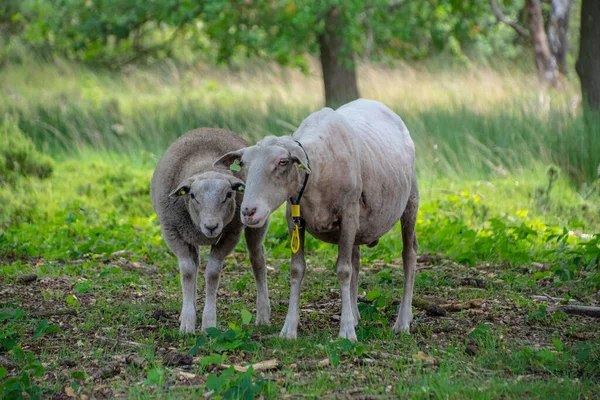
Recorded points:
(558, 30)
(337, 62)
(588, 63)
(546, 65)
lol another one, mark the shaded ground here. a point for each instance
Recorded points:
(120, 336)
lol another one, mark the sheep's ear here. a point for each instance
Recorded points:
(237, 185)
(298, 156)
(227, 159)
(183, 188)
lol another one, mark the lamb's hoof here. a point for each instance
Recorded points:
(402, 327)
(263, 318)
(347, 332)
(290, 330)
(208, 322)
(187, 323)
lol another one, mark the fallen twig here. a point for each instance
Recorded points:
(577, 310)
(549, 298)
(117, 341)
(261, 366)
(52, 313)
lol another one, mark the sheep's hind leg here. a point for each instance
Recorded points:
(354, 283)
(255, 239)
(214, 266)
(409, 259)
(298, 266)
(344, 268)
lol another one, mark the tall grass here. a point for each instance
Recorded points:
(475, 123)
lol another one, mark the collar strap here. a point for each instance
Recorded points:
(297, 201)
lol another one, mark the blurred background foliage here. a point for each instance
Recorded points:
(114, 33)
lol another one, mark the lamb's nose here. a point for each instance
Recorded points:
(211, 228)
(248, 212)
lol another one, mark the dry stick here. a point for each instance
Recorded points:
(577, 310)
(51, 313)
(549, 298)
(261, 366)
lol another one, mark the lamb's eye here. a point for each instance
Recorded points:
(229, 194)
(284, 162)
(192, 196)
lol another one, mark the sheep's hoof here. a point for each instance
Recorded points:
(347, 332)
(402, 327)
(263, 318)
(288, 332)
(187, 327)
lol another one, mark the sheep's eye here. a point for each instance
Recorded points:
(229, 195)
(284, 162)
(192, 196)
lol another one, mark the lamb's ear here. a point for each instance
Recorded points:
(298, 155)
(237, 185)
(183, 188)
(227, 159)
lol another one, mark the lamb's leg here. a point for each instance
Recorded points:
(188, 271)
(344, 267)
(214, 266)
(354, 282)
(298, 266)
(409, 259)
(255, 239)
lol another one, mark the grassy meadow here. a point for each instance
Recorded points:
(510, 209)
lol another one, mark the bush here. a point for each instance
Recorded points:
(18, 155)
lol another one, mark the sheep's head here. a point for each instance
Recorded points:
(273, 175)
(210, 198)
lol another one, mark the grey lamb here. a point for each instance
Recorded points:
(197, 204)
(360, 160)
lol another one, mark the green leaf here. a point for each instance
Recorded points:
(155, 377)
(80, 375)
(12, 314)
(373, 294)
(212, 359)
(200, 341)
(43, 328)
(246, 317)
(3, 372)
(235, 166)
(71, 300)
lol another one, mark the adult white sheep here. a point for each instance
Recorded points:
(361, 162)
(198, 205)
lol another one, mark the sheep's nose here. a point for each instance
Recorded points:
(248, 212)
(211, 228)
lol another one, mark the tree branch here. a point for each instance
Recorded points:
(501, 18)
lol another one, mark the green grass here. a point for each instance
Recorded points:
(489, 228)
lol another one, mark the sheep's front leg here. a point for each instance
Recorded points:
(298, 266)
(214, 266)
(344, 267)
(255, 239)
(188, 271)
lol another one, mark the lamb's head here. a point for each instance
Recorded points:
(210, 198)
(272, 168)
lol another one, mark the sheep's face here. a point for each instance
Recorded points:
(272, 176)
(211, 201)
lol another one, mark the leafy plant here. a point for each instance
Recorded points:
(44, 328)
